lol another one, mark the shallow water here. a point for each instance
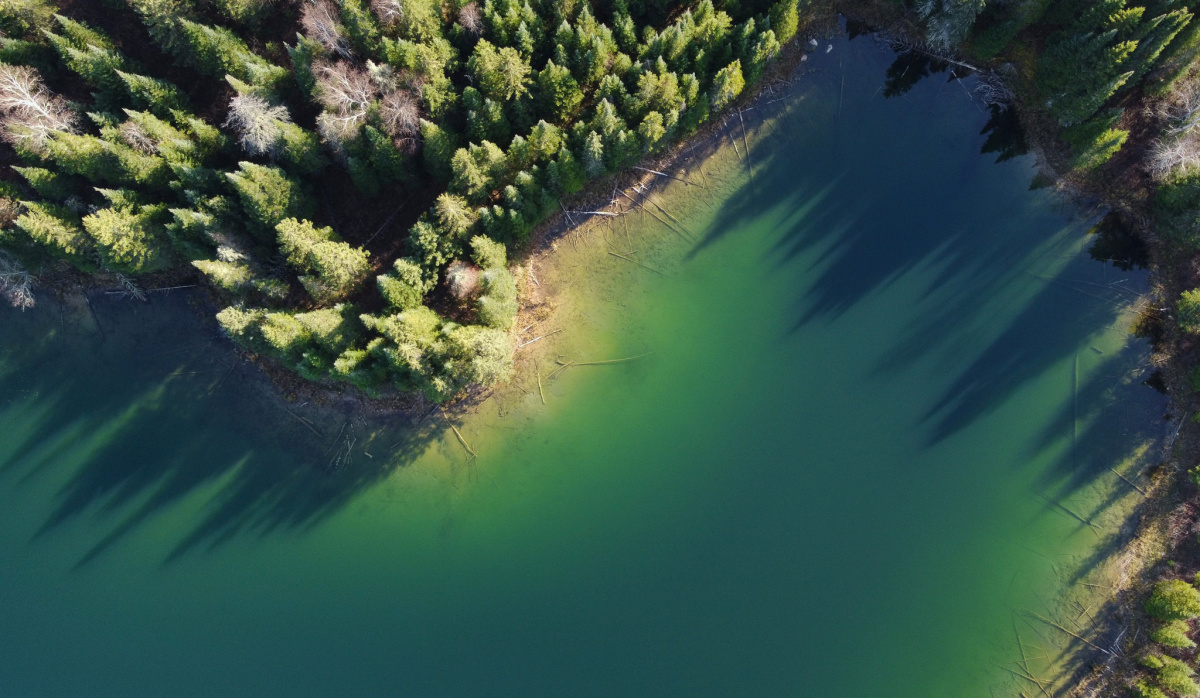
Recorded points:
(880, 362)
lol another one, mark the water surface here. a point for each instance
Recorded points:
(873, 371)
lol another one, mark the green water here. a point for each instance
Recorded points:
(828, 479)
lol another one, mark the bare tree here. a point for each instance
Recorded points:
(258, 123)
(470, 19)
(320, 22)
(347, 94)
(28, 111)
(1179, 145)
(400, 113)
(16, 284)
(136, 138)
(390, 12)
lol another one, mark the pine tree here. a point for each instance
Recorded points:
(151, 94)
(454, 214)
(501, 74)
(497, 306)
(231, 277)
(49, 184)
(785, 19)
(405, 286)
(488, 253)
(1155, 36)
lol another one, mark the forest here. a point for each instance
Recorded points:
(240, 140)
(153, 136)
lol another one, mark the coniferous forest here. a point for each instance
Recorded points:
(152, 135)
(242, 139)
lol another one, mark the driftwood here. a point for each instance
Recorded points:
(615, 254)
(564, 365)
(535, 339)
(656, 216)
(746, 142)
(664, 174)
(1128, 482)
(1052, 624)
(646, 196)
(541, 393)
(457, 433)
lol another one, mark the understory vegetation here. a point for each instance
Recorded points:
(236, 137)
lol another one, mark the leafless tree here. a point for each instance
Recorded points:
(389, 12)
(136, 138)
(383, 75)
(257, 123)
(401, 114)
(1179, 145)
(28, 111)
(16, 284)
(470, 19)
(319, 19)
(347, 93)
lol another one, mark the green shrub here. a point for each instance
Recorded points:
(1173, 599)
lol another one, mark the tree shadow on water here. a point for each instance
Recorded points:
(152, 421)
(872, 190)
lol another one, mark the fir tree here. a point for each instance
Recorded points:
(59, 231)
(130, 240)
(558, 93)
(727, 84)
(330, 268)
(268, 195)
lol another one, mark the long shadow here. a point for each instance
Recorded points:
(869, 173)
(151, 422)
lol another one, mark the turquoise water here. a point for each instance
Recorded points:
(880, 361)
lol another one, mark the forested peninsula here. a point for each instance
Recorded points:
(353, 180)
(246, 138)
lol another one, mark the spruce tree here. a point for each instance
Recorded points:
(268, 195)
(59, 231)
(727, 84)
(130, 240)
(330, 268)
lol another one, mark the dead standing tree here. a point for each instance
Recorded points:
(29, 112)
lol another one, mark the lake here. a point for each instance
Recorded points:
(881, 384)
